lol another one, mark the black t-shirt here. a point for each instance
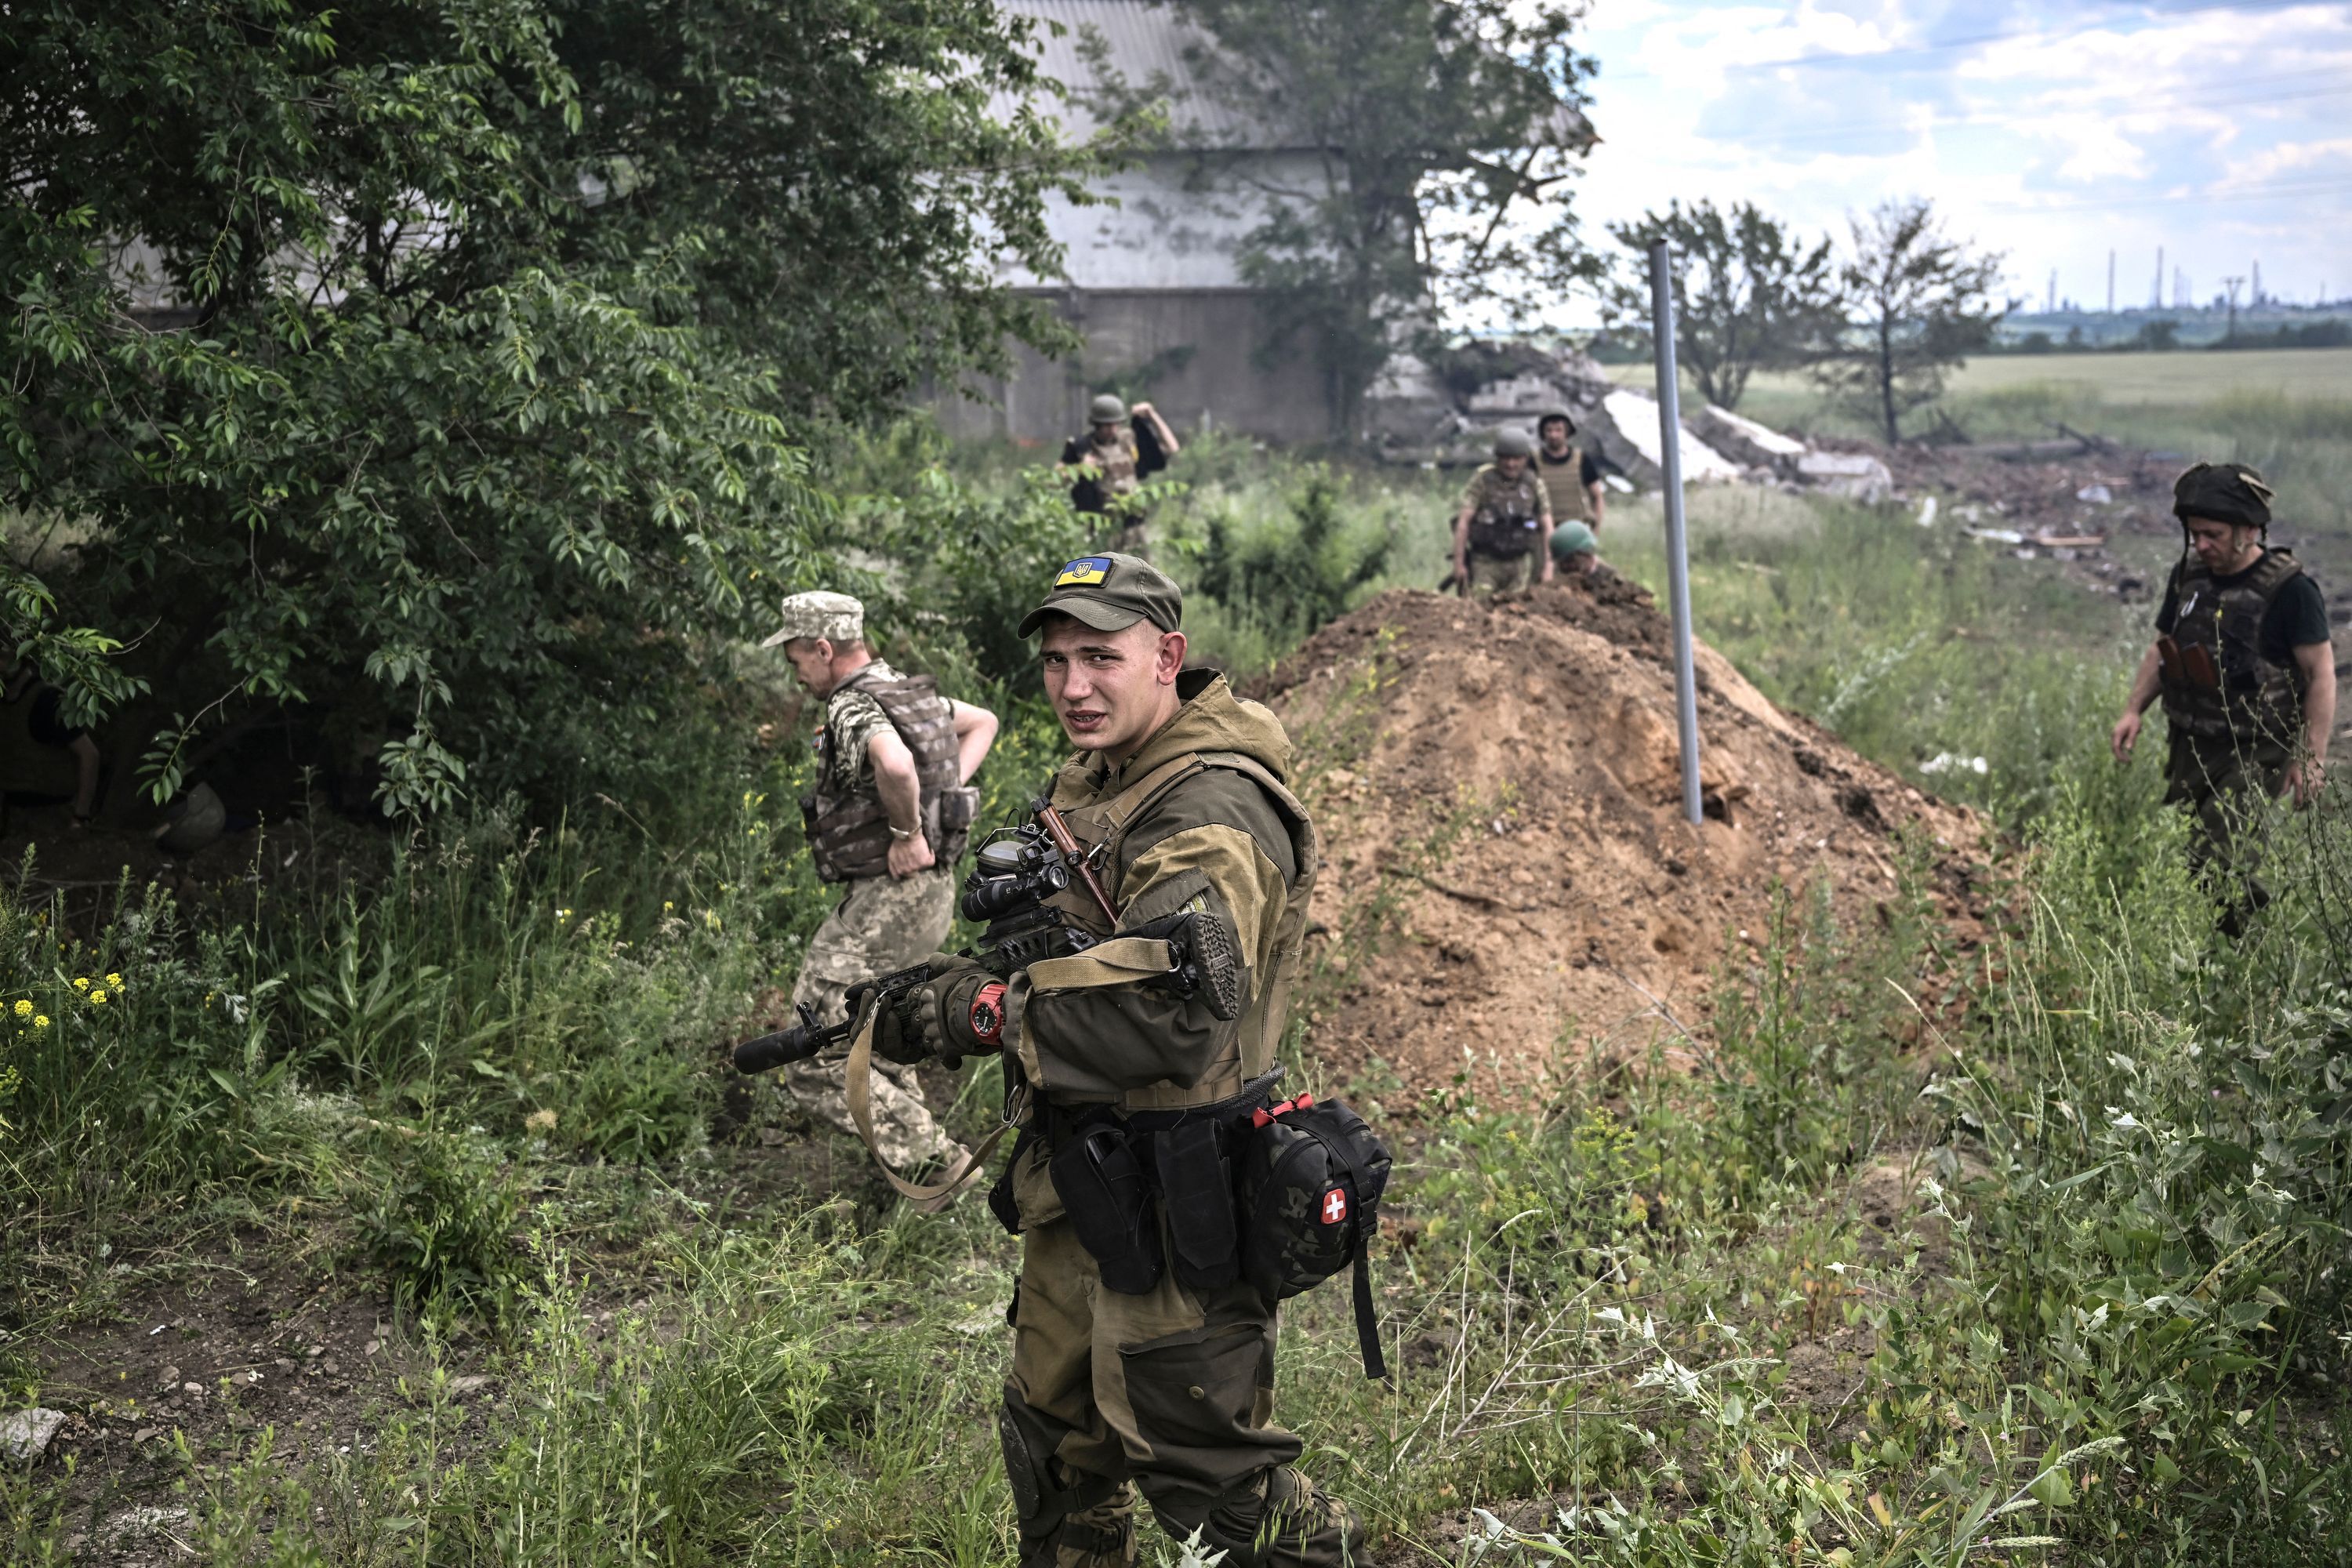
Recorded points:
(2297, 616)
(1587, 473)
(1150, 458)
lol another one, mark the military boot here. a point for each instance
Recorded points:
(1099, 1537)
(1280, 1521)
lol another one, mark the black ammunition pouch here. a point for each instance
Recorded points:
(1107, 1191)
(1117, 1175)
(1502, 535)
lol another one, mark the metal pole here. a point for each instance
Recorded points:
(1670, 446)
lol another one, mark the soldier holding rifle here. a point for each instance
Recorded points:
(1138, 1024)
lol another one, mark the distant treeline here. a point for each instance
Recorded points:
(2163, 337)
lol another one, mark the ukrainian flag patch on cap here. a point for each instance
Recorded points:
(1090, 569)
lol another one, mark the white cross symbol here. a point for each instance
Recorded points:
(1334, 1206)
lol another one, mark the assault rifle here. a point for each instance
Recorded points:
(1016, 869)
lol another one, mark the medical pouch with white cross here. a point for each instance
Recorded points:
(1311, 1178)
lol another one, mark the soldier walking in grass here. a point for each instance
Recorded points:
(2243, 663)
(889, 817)
(1121, 448)
(1502, 531)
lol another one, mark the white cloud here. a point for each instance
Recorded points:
(2053, 144)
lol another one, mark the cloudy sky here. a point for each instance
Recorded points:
(2051, 131)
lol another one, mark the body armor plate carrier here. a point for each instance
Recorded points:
(1508, 520)
(849, 831)
(2216, 683)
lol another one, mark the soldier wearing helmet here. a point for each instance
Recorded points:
(1570, 475)
(2244, 664)
(1109, 463)
(1502, 531)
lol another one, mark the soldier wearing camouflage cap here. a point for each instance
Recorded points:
(1109, 463)
(1178, 794)
(1502, 531)
(890, 814)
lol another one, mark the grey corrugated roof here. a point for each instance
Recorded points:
(1143, 43)
(1146, 44)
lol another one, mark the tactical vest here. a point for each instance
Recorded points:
(1117, 463)
(1100, 827)
(2216, 683)
(1508, 516)
(849, 830)
(1564, 482)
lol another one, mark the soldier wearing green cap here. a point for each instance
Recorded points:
(1179, 790)
(2246, 670)
(889, 815)
(1502, 531)
(1109, 463)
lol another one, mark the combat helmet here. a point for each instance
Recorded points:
(1514, 443)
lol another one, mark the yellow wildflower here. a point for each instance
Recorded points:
(115, 981)
(40, 1020)
(81, 982)
(24, 1009)
(97, 997)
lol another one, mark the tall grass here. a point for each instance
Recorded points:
(2018, 1240)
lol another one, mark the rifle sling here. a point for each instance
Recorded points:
(858, 1090)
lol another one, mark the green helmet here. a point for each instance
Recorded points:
(1514, 443)
(1105, 410)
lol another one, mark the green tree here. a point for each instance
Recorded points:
(1749, 294)
(1439, 136)
(1916, 304)
(442, 367)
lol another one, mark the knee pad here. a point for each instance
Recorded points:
(1045, 1491)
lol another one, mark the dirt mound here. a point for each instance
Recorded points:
(1504, 783)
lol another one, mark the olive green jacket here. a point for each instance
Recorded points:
(1217, 831)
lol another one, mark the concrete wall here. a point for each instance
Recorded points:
(1191, 351)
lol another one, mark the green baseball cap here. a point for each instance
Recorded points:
(1110, 593)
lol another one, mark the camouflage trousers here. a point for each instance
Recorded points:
(882, 924)
(1494, 574)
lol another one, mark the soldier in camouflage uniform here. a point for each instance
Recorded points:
(2244, 664)
(1177, 791)
(1502, 534)
(887, 819)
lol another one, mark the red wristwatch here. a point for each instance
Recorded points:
(988, 1013)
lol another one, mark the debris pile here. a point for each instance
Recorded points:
(1499, 792)
(1420, 416)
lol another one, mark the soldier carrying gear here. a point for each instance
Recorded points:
(1502, 534)
(2246, 670)
(1108, 465)
(1143, 1353)
(888, 817)
(1570, 478)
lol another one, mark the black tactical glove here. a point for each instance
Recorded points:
(959, 1013)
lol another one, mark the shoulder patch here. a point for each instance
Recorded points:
(1086, 569)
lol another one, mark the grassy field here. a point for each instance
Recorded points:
(2004, 1227)
(2176, 380)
